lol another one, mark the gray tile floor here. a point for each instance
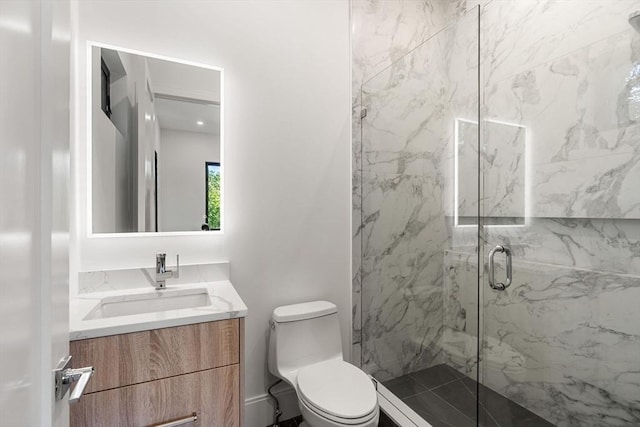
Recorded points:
(445, 397)
(385, 421)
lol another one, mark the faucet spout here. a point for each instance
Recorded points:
(162, 273)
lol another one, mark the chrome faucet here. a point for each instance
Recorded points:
(162, 274)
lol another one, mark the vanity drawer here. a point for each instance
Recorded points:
(122, 360)
(212, 394)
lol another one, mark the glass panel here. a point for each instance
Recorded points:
(419, 270)
(561, 344)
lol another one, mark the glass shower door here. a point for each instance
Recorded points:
(420, 225)
(560, 214)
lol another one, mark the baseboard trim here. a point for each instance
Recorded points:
(259, 409)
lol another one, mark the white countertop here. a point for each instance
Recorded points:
(225, 303)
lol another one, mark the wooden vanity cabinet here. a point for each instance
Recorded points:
(159, 376)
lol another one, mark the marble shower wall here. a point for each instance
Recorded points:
(564, 339)
(383, 31)
(576, 98)
(407, 195)
(562, 342)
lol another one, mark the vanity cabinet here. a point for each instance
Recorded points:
(163, 375)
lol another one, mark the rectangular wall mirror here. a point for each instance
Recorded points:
(156, 144)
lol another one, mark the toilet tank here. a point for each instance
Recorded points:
(301, 335)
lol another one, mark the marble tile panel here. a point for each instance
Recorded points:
(580, 113)
(111, 280)
(410, 122)
(383, 31)
(503, 157)
(356, 250)
(402, 214)
(521, 34)
(562, 342)
(407, 170)
(402, 324)
(597, 244)
(608, 190)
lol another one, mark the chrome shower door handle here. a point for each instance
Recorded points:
(492, 280)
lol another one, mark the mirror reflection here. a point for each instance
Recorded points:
(155, 149)
(504, 175)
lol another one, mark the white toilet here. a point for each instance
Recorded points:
(305, 350)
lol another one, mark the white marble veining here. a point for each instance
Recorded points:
(383, 31)
(406, 189)
(575, 332)
(224, 303)
(582, 141)
(570, 83)
(109, 280)
(504, 170)
(596, 244)
(563, 340)
(518, 35)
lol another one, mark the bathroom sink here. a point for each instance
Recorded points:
(149, 302)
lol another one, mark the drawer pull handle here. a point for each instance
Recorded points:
(182, 421)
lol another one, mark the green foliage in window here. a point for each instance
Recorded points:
(213, 199)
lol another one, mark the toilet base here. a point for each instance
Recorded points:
(311, 419)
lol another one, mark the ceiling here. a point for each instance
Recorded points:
(184, 114)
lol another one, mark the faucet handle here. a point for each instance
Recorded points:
(176, 273)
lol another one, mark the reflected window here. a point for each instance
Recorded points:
(105, 88)
(212, 201)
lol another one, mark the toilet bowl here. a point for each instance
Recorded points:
(305, 350)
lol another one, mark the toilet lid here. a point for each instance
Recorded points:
(338, 388)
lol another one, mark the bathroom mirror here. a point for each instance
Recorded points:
(156, 144)
(503, 169)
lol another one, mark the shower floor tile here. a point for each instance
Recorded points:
(436, 376)
(445, 397)
(405, 386)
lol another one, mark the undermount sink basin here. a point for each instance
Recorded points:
(150, 302)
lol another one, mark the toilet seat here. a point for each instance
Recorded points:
(338, 391)
(315, 417)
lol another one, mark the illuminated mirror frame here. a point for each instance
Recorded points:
(89, 148)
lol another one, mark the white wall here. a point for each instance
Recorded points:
(182, 177)
(286, 151)
(105, 139)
